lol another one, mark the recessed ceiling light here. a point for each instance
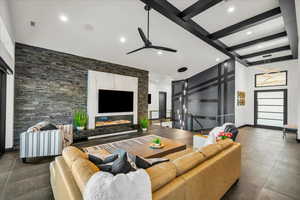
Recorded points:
(63, 18)
(249, 32)
(182, 69)
(218, 59)
(122, 39)
(230, 9)
(159, 52)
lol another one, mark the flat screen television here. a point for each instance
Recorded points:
(111, 101)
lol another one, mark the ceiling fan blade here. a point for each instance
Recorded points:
(136, 50)
(144, 38)
(163, 48)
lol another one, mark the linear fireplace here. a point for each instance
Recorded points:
(117, 120)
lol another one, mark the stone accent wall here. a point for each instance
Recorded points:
(50, 85)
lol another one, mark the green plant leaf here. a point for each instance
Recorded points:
(80, 118)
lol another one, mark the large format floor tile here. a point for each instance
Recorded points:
(270, 167)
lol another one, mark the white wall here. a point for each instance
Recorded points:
(159, 83)
(5, 15)
(298, 22)
(241, 84)
(108, 81)
(292, 68)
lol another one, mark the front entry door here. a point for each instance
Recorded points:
(270, 108)
(162, 105)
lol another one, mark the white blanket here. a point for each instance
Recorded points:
(131, 186)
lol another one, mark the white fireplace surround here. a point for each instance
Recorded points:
(108, 81)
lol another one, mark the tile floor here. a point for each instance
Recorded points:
(270, 169)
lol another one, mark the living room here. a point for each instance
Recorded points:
(149, 99)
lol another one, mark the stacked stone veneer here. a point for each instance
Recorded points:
(51, 85)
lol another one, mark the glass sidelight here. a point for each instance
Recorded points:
(270, 108)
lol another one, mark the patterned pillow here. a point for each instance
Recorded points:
(39, 126)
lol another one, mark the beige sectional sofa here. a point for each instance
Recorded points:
(189, 175)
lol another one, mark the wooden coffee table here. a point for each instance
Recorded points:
(140, 146)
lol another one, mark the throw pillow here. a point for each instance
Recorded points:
(48, 127)
(105, 167)
(146, 163)
(94, 159)
(98, 161)
(121, 165)
(110, 158)
(38, 126)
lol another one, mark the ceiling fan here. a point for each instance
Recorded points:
(147, 43)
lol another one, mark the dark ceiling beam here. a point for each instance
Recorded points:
(4, 67)
(257, 41)
(290, 21)
(172, 13)
(197, 8)
(265, 52)
(272, 60)
(253, 21)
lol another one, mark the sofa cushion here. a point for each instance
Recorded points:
(71, 154)
(178, 154)
(210, 150)
(82, 171)
(161, 174)
(187, 162)
(225, 143)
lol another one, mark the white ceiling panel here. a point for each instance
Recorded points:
(182, 4)
(217, 17)
(265, 29)
(264, 46)
(274, 55)
(95, 27)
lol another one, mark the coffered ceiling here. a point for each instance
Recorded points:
(107, 29)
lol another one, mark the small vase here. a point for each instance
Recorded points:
(80, 128)
(144, 129)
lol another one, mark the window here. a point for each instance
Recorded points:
(271, 79)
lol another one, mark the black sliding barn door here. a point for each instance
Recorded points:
(2, 110)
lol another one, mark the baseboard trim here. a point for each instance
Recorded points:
(246, 125)
(112, 134)
(11, 149)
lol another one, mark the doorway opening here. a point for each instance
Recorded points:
(162, 105)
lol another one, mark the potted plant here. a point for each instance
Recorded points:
(80, 119)
(144, 123)
(156, 143)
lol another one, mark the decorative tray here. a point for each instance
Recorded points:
(155, 146)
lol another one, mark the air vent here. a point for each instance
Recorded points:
(182, 69)
(32, 23)
(266, 56)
